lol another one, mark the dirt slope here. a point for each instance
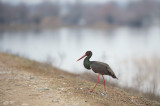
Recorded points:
(29, 83)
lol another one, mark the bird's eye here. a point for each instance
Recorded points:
(88, 53)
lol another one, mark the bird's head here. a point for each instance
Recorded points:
(88, 53)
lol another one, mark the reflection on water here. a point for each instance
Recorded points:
(64, 46)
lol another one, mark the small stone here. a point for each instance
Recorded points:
(81, 88)
(62, 89)
(55, 100)
(17, 84)
(43, 89)
(85, 101)
(24, 104)
(11, 102)
(61, 76)
(103, 94)
(5, 103)
(8, 89)
(69, 93)
(32, 77)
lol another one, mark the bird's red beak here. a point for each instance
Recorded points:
(81, 57)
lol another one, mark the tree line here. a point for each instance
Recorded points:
(80, 13)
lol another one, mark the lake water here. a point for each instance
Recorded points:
(62, 47)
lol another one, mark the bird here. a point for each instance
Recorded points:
(97, 67)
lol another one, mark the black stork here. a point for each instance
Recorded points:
(97, 67)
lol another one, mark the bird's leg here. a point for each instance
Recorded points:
(96, 84)
(104, 84)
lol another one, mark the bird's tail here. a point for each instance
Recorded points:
(114, 76)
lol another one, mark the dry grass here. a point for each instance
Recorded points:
(147, 76)
(73, 85)
(145, 82)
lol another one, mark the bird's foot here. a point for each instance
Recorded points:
(104, 94)
(91, 91)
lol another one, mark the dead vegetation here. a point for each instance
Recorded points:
(147, 76)
(69, 88)
(145, 81)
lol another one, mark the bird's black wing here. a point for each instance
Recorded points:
(102, 68)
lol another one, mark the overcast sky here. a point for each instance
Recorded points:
(71, 1)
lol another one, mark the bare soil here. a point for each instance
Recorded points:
(28, 83)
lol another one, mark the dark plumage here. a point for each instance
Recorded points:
(97, 67)
(102, 68)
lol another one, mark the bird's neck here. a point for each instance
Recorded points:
(87, 62)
